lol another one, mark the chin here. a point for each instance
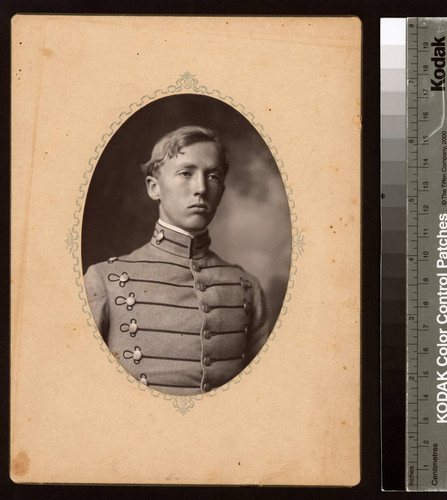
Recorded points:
(197, 225)
(196, 228)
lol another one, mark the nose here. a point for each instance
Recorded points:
(200, 184)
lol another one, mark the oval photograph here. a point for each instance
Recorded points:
(186, 244)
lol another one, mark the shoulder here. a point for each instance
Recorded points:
(102, 267)
(214, 260)
(137, 254)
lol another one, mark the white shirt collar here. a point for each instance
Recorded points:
(179, 230)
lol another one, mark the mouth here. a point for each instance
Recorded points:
(199, 208)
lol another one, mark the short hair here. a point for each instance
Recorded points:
(171, 144)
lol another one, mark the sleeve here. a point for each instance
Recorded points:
(259, 326)
(98, 300)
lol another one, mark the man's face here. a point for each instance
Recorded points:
(189, 187)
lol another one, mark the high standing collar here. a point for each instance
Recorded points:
(180, 244)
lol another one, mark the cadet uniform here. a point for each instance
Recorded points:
(175, 315)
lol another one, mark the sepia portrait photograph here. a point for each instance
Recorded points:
(186, 244)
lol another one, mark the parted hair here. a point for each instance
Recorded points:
(171, 144)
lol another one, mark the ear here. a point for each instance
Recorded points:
(153, 188)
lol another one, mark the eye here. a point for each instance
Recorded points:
(216, 177)
(185, 173)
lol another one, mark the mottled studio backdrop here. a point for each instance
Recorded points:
(252, 225)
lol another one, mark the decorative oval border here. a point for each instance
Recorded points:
(186, 82)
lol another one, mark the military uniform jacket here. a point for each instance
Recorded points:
(175, 315)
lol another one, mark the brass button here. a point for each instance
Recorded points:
(207, 361)
(206, 308)
(245, 283)
(137, 354)
(207, 333)
(124, 278)
(143, 379)
(196, 267)
(130, 301)
(133, 327)
(243, 355)
(207, 387)
(201, 287)
(112, 260)
(159, 237)
(246, 329)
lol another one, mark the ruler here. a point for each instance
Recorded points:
(426, 285)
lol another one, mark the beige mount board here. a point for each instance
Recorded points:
(295, 418)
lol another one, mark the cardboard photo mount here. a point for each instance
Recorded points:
(294, 417)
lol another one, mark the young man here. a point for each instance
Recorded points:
(174, 314)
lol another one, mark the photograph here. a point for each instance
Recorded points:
(186, 244)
